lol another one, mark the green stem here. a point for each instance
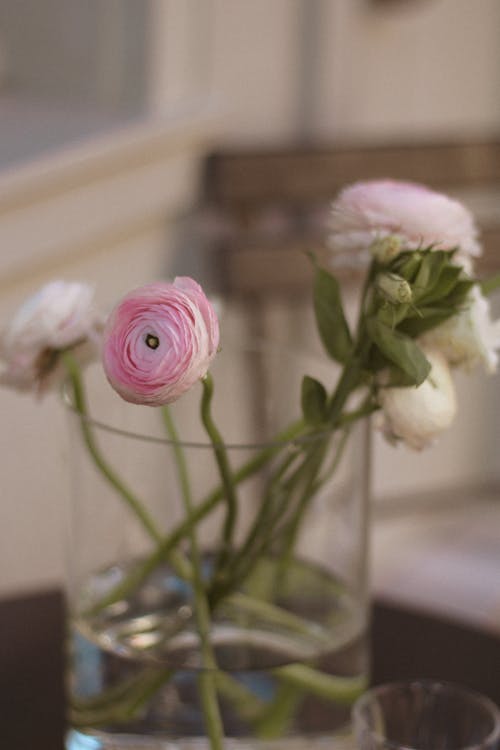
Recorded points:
(352, 373)
(113, 696)
(176, 559)
(164, 549)
(271, 613)
(276, 719)
(258, 541)
(180, 462)
(342, 690)
(330, 470)
(120, 704)
(248, 705)
(261, 522)
(349, 381)
(148, 692)
(368, 407)
(108, 472)
(206, 678)
(210, 706)
(313, 462)
(221, 458)
(298, 680)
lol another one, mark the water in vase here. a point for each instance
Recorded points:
(292, 658)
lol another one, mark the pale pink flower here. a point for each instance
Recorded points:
(419, 217)
(159, 340)
(418, 415)
(58, 317)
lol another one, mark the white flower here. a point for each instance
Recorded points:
(418, 415)
(59, 316)
(469, 338)
(367, 212)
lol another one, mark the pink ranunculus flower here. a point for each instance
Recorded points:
(60, 316)
(159, 340)
(419, 217)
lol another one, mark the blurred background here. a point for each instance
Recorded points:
(143, 139)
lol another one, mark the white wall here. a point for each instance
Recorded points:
(256, 61)
(419, 68)
(427, 68)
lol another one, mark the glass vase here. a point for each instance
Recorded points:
(280, 566)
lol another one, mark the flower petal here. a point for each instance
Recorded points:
(159, 341)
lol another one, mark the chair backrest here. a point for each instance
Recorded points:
(268, 208)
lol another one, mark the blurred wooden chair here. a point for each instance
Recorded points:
(261, 211)
(270, 205)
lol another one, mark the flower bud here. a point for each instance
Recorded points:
(418, 415)
(394, 288)
(386, 249)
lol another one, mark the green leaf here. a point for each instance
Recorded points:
(314, 400)
(375, 360)
(428, 274)
(458, 296)
(447, 280)
(387, 315)
(407, 265)
(488, 286)
(398, 379)
(392, 316)
(434, 311)
(433, 317)
(399, 349)
(330, 318)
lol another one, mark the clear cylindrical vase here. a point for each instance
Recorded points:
(265, 532)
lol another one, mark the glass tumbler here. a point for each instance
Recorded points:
(425, 715)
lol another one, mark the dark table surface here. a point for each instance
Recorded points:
(405, 645)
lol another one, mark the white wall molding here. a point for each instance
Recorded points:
(53, 206)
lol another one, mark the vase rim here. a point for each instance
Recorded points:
(296, 439)
(279, 437)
